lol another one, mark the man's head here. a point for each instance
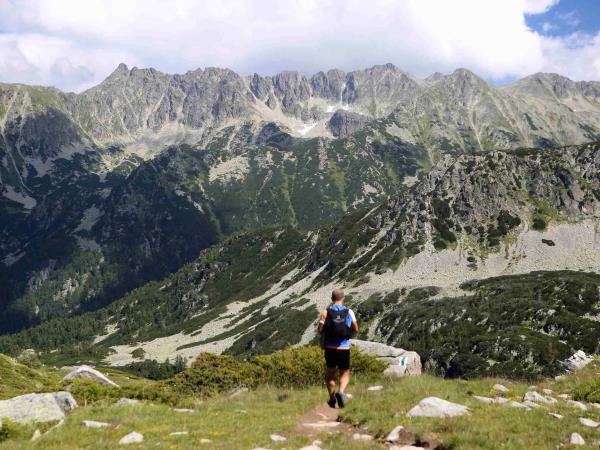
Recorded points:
(337, 295)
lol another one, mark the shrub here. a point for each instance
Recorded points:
(588, 391)
(86, 392)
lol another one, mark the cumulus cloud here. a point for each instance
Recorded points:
(74, 44)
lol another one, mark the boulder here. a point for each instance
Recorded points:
(132, 438)
(575, 439)
(500, 388)
(577, 360)
(123, 401)
(94, 424)
(533, 396)
(31, 408)
(394, 435)
(401, 362)
(588, 422)
(577, 405)
(437, 407)
(89, 373)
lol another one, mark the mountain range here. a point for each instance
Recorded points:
(404, 190)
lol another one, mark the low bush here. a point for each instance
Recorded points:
(588, 391)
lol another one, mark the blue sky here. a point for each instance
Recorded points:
(74, 44)
(567, 17)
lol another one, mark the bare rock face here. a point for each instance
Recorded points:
(31, 408)
(401, 362)
(89, 373)
(345, 123)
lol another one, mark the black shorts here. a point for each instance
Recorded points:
(337, 358)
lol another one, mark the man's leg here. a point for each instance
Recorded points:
(344, 379)
(330, 379)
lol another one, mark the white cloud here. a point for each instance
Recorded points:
(74, 44)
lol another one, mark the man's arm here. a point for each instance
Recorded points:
(321, 326)
(354, 325)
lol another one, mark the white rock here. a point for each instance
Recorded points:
(576, 404)
(500, 400)
(481, 399)
(36, 434)
(37, 407)
(183, 410)
(556, 416)
(94, 424)
(405, 447)
(132, 438)
(534, 396)
(238, 391)
(596, 405)
(532, 404)
(89, 373)
(278, 438)
(547, 391)
(513, 404)
(577, 361)
(362, 437)
(123, 401)
(564, 396)
(375, 388)
(500, 388)
(401, 362)
(588, 422)
(179, 433)
(437, 407)
(205, 441)
(575, 439)
(559, 377)
(311, 447)
(394, 435)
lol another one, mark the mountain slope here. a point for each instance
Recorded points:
(405, 265)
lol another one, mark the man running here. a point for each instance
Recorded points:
(337, 324)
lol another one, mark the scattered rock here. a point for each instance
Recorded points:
(575, 439)
(596, 405)
(536, 397)
(362, 437)
(500, 388)
(588, 422)
(401, 362)
(564, 396)
(123, 401)
(559, 377)
(179, 433)
(375, 388)
(37, 407)
(94, 424)
(547, 391)
(556, 416)
(394, 435)
(132, 438)
(576, 404)
(238, 391)
(278, 438)
(311, 447)
(89, 373)
(436, 407)
(405, 447)
(205, 441)
(513, 404)
(577, 361)
(481, 399)
(531, 404)
(183, 410)
(36, 434)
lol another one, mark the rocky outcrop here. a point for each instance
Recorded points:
(401, 362)
(577, 361)
(32, 408)
(346, 123)
(89, 373)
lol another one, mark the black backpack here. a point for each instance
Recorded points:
(335, 324)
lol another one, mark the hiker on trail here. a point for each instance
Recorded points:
(336, 325)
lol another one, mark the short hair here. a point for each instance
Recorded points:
(337, 294)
